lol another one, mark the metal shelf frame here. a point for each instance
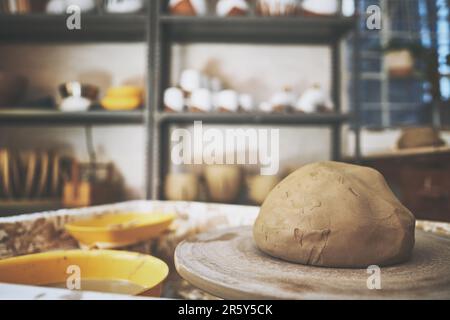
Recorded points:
(45, 28)
(165, 30)
(12, 117)
(159, 31)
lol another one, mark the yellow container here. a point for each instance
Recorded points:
(125, 91)
(123, 98)
(121, 103)
(112, 230)
(144, 274)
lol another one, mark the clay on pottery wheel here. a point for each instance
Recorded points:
(335, 215)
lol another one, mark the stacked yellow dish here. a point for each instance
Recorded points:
(123, 98)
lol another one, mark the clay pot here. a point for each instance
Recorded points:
(258, 187)
(200, 101)
(223, 182)
(231, 8)
(323, 8)
(188, 7)
(173, 100)
(313, 100)
(419, 138)
(400, 63)
(277, 7)
(181, 187)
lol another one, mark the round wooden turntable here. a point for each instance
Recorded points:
(227, 264)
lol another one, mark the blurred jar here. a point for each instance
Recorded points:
(22, 6)
(258, 187)
(181, 187)
(223, 182)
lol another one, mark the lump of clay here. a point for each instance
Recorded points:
(335, 215)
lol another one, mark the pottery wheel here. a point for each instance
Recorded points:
(227, 264)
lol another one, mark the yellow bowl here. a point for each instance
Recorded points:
(112, 230)
(119, 103)
(99, 270)
(125, 91)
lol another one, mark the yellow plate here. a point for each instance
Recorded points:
(114, 230)
(142, 273)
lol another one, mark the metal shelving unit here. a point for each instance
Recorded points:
(51, 29)
(10, 117)
(251, 29)
(8, 208)
(38, 28)
(160, 30)
(254, 118)
(166, 30)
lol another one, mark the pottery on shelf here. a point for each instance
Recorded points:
(420, 137)
(246, 102)
(188, 7)
(399, 63)
(215, 84)
(313, 100)
(60, 6)
(191, 80)
(121, 6)
(173, 100)
(228, 101)
(277, 7)
(283, 100)
(181, 187)
(223, 182)
(232, 8)
(265, 107)
(200, 100)
(320, 8)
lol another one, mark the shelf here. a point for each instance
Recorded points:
(52, 28)
(256, 29)
(255, 118)
(15, 207)
(38, 117)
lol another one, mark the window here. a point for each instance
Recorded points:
(387, 98)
